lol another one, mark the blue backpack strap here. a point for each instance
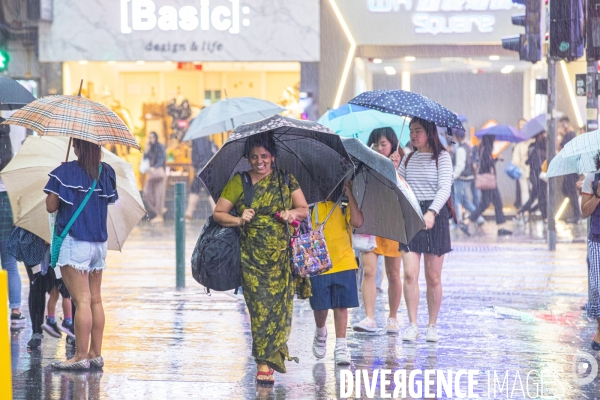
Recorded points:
(83, 203)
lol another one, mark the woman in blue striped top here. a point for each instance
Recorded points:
(428, 171)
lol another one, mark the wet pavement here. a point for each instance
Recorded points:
(509, 305)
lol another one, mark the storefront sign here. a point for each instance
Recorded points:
(452, 16)
(417, 22)
(182, 30)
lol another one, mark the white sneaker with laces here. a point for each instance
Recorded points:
(392, 326)
(342, 356)
(411, 333)
(366, 325)
(319, 345)
(432, 335)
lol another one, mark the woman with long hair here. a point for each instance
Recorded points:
(267, 281)
(154, 187)
(428, 171)
(385, 142)
(83, 251)
(487, 165)
(9, 263)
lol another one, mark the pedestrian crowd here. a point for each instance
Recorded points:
(272, 210)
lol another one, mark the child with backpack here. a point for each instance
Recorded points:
(336, 289)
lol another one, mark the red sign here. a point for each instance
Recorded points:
(189, 66)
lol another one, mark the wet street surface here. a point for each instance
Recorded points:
(509, 306)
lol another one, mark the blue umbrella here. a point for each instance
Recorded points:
(503, 132)
(534, 126)
(409, 104)
(359, 124)
(342, 110)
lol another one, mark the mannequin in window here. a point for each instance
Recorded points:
(179, 109)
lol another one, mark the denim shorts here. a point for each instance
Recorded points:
(81, 255)
(337, 290)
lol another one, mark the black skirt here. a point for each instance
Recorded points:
(432, 241)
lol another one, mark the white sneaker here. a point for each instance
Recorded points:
(319, 345)
(411, 333)
(432, 335)
(342, 356)
(392, 326)
(366, 325)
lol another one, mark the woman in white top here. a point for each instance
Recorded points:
(428, 171)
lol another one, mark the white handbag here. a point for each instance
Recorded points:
(144, 165)
(364, 243)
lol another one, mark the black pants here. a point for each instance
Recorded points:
(539, 192)
(489, 197)
(569, 190)
(39, 285)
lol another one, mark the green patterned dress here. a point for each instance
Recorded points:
(267, 280)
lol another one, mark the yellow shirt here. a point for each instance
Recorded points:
(338, 236)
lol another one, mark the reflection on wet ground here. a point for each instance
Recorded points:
(509, 305)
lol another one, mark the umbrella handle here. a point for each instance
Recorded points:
(69, 147)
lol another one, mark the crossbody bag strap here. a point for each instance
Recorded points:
(330, 212)
(83, 203)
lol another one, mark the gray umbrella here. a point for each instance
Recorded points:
(389, 206)
(534, 126)
(309, 151)
(12, 95)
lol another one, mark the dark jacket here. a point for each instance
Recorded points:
(157, 155)
(201, 152)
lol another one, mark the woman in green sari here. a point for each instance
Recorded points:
(266, 273)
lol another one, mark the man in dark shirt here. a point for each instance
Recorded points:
(202, 151)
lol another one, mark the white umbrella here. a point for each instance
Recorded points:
(228, 114)
(27, 174)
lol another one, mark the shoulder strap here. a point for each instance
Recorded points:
(408, 158)
(248, 188)
(83, 203)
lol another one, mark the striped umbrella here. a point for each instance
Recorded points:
(74, 117)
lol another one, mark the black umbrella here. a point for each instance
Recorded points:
(409, 104)
(390, 208)
(309, 151)
(13, 95)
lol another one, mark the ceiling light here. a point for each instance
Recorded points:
(140, 62)
(83, 62)
(494, 58)
(390, 70)
(507, 69)
(111, 62)
(410, 58)
(377, 61)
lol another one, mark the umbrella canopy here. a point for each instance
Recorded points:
(75, 117)
(27, 174)
(534, 126)
(503, 132)
(309, 151)
(360, 124)
(390, 208)
(408, 104)
(13, 95)
(228, 114)
(577, 157)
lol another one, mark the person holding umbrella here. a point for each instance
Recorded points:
(267, 281)
(428, 171)
(83, 251)
(385, 142)
(491, 195)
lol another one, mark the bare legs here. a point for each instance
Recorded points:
(369, 291)
(433, 273)
(340, 318)
(89, 319)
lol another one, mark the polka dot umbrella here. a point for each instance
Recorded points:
(409, 104)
